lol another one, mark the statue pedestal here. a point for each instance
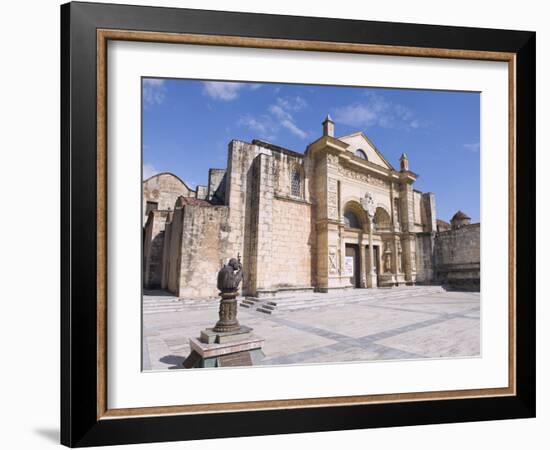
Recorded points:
(212, 336)
(243, 352)
(228, 343)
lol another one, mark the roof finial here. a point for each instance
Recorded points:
(404, 160)
(328, 126)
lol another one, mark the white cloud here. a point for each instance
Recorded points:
(293, 128)
(268, 125)
(292, 103)
(154, 91)
(474, 147)
(221, 90)
(356, 115)
(148, 171)
(377, 111)
(263, 126)
(260, 125)
(281, 111)
(255, 86)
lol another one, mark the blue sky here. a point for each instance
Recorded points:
(187, 125)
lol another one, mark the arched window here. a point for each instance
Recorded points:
(382, 219)
(296, 181)
(351, 220)
(361, 154)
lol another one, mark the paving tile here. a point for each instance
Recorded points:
(363, 325)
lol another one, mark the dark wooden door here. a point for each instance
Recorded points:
(352, 250)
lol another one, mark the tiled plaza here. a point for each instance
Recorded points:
(355, 325)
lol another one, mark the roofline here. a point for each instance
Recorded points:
(169, 173)
(276, 148)
(371, 143)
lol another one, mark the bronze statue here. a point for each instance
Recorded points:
(230, 276)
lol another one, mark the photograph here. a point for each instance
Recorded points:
(297, 224)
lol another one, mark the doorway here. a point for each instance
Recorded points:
(352, 251)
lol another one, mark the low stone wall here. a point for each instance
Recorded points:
(457, 257)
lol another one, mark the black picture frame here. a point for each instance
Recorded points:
(80, 425)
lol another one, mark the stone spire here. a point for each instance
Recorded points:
(328, 126)
(404, 160)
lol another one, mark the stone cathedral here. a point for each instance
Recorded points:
(338, 216)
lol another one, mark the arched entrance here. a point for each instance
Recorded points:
(353, 239)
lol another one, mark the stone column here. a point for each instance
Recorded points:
(395, 263)
(362, 263)
(371, 277)
(409, 254)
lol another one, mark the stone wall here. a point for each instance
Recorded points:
(429, 216)
(216, 186)
(292, 244)
(204, 249)
(242, 184)
(153, 245)
(172, 251)
(201, 192)
(425, 258)
(457, 257)
(417, 208)
(164, 189)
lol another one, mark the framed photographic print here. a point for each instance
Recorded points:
(277, 224)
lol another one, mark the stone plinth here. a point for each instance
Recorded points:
(244, 352)
(211, 336)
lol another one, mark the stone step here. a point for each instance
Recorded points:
(249, 302)
(294, 303)
(268, 306)
(172, 305)
(287, 302)
(361, 293)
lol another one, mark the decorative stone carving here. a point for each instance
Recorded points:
(387, 256)
(399, 257)
(363, 177)
(332, 160)
(333, 260)
(332, 199)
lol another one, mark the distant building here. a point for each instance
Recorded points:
(459, 220)
(299, 221)
(442, 225)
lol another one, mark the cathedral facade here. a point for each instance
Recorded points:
(338, 216)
